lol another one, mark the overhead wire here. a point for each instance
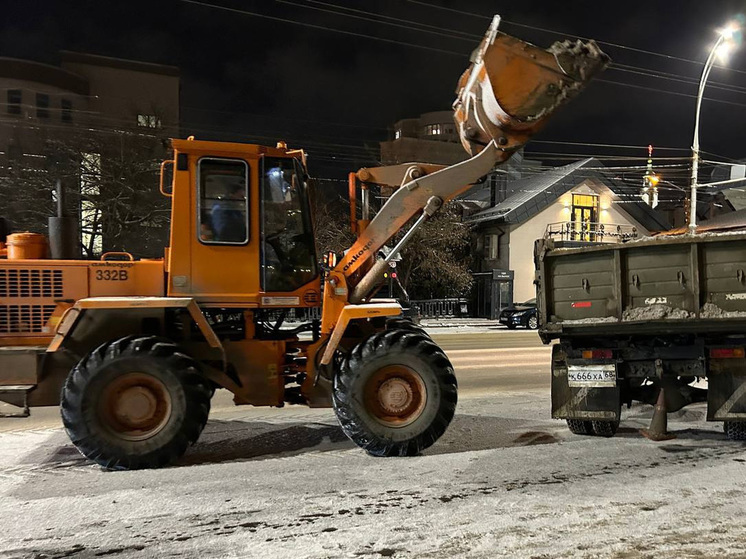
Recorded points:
(611, 82)
(468, 36)
(349, 147)
(562, 34)
(322, 27)
(405, 24)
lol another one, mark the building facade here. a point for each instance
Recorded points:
(578, 203)
(96, 124)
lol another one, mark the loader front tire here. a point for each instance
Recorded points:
(395, 394)
(400, 323)
(134, 403)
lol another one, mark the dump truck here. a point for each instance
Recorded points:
(133, 350)
(647, 321)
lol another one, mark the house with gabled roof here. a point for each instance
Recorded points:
(577, 203)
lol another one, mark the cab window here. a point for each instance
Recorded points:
(288, 250)
(223, 187)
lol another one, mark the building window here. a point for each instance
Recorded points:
(397, 134)
(42, 105)
(584, 217)
(148, 121)
(67, 110)
(15, 98)
(491, 247)
(433, 130)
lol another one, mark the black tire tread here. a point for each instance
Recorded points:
(382, 343)
(604, 428)
(197, 389)
(400, 323)
(580, 426)
(735, 430)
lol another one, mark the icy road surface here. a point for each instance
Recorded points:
(505, 481)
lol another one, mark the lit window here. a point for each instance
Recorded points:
(42, 105)
(148, 121)
(397, 134)
(14, 101)
(433, 130)
(67, 110)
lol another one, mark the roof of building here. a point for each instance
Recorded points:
(532, 195)
(121, 63)
(29, 70)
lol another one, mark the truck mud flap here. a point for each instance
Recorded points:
(726, 390)
(581, 402)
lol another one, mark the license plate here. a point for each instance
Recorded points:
(594, 376)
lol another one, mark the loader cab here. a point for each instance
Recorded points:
(241, 230)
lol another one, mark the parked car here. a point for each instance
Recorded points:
(523, 314)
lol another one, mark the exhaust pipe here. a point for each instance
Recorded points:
(64, 240)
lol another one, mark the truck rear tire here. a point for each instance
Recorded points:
(604, 428)
(735, 430)
(580, 427)
(135, 403)
(395, 394)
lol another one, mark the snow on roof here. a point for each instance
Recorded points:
(532, 195)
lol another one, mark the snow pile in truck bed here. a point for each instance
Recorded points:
(655, 312)
(591, 320)
(710, 310)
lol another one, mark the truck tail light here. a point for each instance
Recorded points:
(597, 354)
(727, 353)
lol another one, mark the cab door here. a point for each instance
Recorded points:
(225, 255)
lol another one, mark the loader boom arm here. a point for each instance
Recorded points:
(506, 96)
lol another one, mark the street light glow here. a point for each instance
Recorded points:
(729, 30)
(729, 37)
(723, 51)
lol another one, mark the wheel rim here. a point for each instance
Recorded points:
(135, 406)
(395, 395)
(532, 323)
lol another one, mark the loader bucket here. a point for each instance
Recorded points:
(512, 87)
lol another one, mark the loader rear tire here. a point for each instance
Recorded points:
(395, 394)
(134, 403)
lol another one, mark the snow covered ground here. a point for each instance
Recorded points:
(505, 481)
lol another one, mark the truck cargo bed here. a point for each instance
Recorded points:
(669, 284)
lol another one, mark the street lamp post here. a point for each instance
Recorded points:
(722, 44)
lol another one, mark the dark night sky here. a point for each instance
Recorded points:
(254, 78)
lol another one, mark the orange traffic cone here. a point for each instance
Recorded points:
(659, 424)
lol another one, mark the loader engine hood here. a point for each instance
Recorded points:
(512, 87)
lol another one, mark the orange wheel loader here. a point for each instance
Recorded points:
(132, 350)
